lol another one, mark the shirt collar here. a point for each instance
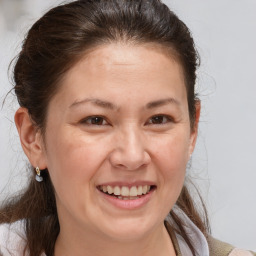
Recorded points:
(196, 237)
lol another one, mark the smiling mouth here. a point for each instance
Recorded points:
(126, 193)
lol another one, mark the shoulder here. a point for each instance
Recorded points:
(204, 245)
(12, 238)
(219, 248)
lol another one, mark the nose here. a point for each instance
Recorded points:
(129, 151)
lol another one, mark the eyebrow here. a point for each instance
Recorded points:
(162, 102)
(109, 105)
(97, 102)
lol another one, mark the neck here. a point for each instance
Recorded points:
(71, 242)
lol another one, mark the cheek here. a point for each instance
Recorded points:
(172, 150)
(73, 159)
(171, 156)
(170, 161)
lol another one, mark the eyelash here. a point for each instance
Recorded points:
(103, 121)
(167, 119)
(85, 121)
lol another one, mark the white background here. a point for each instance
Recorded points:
(224, 163)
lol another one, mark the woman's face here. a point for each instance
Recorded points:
(119, 124)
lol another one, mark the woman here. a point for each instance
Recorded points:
(108, 119)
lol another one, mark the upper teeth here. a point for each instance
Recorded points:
(126, 191)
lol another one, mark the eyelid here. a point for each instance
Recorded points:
(166, 119)
(169, 119)
(84, 120)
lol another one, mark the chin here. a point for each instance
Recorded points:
(129, 229)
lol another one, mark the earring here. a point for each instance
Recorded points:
(38, 176)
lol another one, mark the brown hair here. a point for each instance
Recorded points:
(56, 42)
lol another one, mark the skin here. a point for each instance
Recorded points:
(127, 145)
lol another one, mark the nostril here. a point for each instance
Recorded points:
(130, 155)
(129, 163)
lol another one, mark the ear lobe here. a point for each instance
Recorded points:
(30, 138)
(194, 131)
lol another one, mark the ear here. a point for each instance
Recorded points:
(30, 138)
(194, 129)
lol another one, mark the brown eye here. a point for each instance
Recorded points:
(95, 120)
(160, 119)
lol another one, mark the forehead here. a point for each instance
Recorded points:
(122, 68)
(128, 56)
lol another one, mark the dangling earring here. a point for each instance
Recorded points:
(38, 177)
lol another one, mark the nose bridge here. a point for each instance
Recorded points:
(132, 137)
(130, 152)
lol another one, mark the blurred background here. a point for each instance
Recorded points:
(223, 164)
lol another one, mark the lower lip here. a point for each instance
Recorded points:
(129, 204)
